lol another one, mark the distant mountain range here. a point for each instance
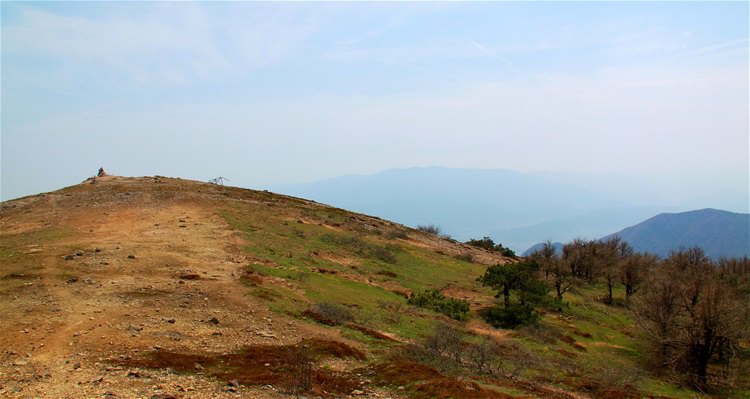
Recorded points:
(514, 208)
(718, 233)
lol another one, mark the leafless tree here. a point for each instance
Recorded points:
(634, 270)
(693, 315)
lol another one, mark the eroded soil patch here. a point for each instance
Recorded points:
(277, 365)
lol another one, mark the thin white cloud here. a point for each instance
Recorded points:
(157, 43)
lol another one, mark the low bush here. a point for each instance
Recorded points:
(488, 244)
(510, 317)
(364, 248)
(430, 229)
(466, 257)
(446, 350)
(329, 313)
(395, 234)
(456, 309)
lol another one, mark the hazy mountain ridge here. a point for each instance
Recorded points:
(515, 208)
(719, 233)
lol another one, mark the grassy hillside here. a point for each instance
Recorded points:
(134, 287)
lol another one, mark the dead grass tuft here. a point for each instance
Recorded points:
(427, 383)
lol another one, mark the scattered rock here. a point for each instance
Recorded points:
(134, 331)
(68, 257)
(79, 253)
(72, 280)
(131, 256)
(163, 396)
(198, 367)
(171, 321)
(265, 334)
(358, 392)
(234, 383)
(77, 366)
(97, 250)
(135, 373)
(213, 320)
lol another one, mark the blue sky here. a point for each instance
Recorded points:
(268, 93)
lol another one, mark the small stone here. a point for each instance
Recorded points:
(358, 392)
(213, 320)
(234, 383)
(68, 257)
(171, 321)
(131, 256)
(134, 374)
(198, 367)
(163, 396)
(72, 280)
(77, 366)
(79, 253)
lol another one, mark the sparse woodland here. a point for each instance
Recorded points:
(693, 313)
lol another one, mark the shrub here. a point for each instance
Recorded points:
(511, 316)
(466, 257)
(430, 229)
(301, 368)
(447, 351)
(364, 248)
(329, 313)
(456, 309)
(488, 244)
(396, 233)
(434, 230)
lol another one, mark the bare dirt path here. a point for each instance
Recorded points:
(138, 278)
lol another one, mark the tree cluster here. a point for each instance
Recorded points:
(580, 262)
(695, 313)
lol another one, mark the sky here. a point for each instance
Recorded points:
(279, 92)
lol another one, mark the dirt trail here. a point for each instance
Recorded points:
(140, 277)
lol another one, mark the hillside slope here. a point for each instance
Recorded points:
(718, 233)
(100, 272)
(155, 287)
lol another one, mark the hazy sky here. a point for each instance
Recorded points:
(266, 93)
